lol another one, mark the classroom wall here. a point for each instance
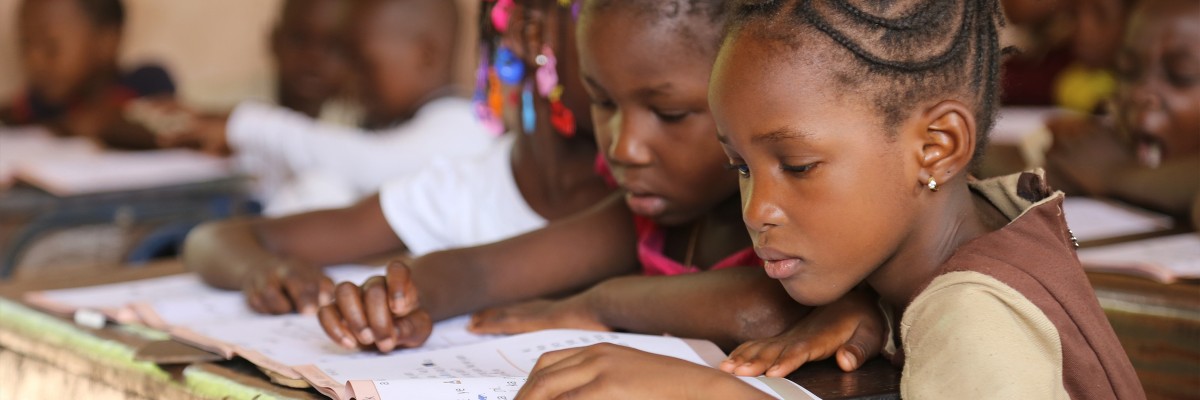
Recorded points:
(217, 50)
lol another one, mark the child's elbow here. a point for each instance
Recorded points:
(765, 314)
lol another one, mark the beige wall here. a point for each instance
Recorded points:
(217, 50)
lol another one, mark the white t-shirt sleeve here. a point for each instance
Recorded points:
(442, 128)
(456, 204)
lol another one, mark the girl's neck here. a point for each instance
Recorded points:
(711, 237)
(555, 174)
(942, 228)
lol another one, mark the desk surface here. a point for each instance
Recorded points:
(876, 380)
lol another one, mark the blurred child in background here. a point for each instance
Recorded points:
(309, 64)
(1148, 152)
(69, 51)
(541, 172)
(401, 53)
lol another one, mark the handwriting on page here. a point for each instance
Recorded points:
(504, 357)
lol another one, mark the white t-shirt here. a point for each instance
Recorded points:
(456, 204)
(344, 163)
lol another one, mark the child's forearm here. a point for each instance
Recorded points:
(567, 255)
(726, 306)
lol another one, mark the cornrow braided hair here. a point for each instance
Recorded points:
(904, 49)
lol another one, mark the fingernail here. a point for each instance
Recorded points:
(366, 336)
(349, 343)
(386, 344)
(851, 360)
(308, 310)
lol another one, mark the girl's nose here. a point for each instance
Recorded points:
(760, 211)
(628, 147)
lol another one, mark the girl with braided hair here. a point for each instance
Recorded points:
(852, 125)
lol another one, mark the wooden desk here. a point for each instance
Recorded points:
(46, 363)
(43, 356)
(1159, 327)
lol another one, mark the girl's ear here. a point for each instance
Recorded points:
(948, 142)
(526, 34)
(107, 44)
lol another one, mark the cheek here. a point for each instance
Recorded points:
(1184, 109)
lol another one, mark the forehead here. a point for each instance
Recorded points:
(53, 11)
(620, 39)
(762, 84)
(1167, 21)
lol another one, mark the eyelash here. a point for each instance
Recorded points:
(743, 170)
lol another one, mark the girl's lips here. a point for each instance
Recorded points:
(645, 204)
(778, 265)
(782, 269)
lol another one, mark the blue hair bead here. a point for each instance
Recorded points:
(509, 68)
(528, 114)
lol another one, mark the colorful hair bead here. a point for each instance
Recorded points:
(500, 14)
(510, 68)
(547, 71)
(528, 113)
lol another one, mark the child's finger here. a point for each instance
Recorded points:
(488, 322)
(759, 358)
(866, 342)
(402, 293)
(414, 329)
(335, 327)
(379, 318)
(790, 359)
(349, 303)
(325, 291)
(303, 293)
(272, 297)
(559, 372)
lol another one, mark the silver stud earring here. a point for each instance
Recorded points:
(932, 185)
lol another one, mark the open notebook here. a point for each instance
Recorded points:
(453, 364)
(75, 166)
(1095, 219)
(1163, 259)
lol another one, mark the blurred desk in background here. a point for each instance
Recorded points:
(132, 226)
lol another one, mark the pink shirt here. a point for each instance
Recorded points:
(651, 239)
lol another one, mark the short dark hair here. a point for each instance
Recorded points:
(904, 50)
(104, 13)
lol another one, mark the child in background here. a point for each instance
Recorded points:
(853, 127)
(538, 173)
(310, 70)
(69, 52)
(646, 66)
(1148, 153)
(401, 52)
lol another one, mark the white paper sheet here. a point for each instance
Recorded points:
(1164, 259)
(1091, 219)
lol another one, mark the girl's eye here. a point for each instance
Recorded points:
(604, 104)
(743, 170)
(671, 116)
(798, 169)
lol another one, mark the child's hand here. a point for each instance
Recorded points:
(177, 126)
(287, 286)
(609, 371)
(384, 313)
(852, 327)
(1086, 155)
(570, 313)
